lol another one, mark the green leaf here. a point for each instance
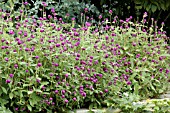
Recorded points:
(30, 92)
(163, 6)
(138, 7)
(11, 95)
(29, 107)
(4, 90)
(38, 90)
(24, 85)
(152, 87)
(91, 106)
(167, 55)
(31, 102)
(148, 7)
(153, 8)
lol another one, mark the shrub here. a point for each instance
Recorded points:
(47, 68)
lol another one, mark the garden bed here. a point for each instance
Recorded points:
(49, 66)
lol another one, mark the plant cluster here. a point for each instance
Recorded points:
(68, 9)
(128, 104)
(46, 67)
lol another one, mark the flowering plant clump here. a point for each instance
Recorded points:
(47, 68)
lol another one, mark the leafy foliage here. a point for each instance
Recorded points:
(46, 67)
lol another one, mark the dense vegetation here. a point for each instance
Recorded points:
(60, 56)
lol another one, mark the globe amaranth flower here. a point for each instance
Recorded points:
(26, 71)
(39, 64)
(74, 99)
(11, 75)
(86, 9)
(11, 32)
(37, 57)
(6, 59)
(63, 96)
(106, 90)
(38, 80)
(63, 92)
(16, 109)
(110, 11)
(66, 101)
(8, 81)
(88, 24)
(129, 83)
(100, 16)
(138, 55)
(51, 98)
(56, 91)
(66, 75)
(53, 10)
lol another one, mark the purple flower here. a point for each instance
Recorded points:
(73, 19)
(63, 92)
(27, 49)
(51, 74)
(11, 75)
(100, 16)
(44, 4)
(25, 3)
(57, 45)
(37, 57)
(39, 64)
(16, 109)
(38, 80)
(77, 58)
(2, 40)
(74, 99)
(56, 91)
(138, 55)
(88, 24)
(53, 10)
(167, 71)
(11, 32)
(63, 96)
(60, 19)
(66, 101)
(110, 11)
(84, 94)
(107, 37)
(129, 83)
(55, 64)
(161, 69)
(96, 62)
(86, 9)
(41, 30)
(134, 44)
(8, 81)
(6, 59)
(53, 103)
(51, 98)
(66, 75)
(145, 15)
(19, 42)
(106, 90)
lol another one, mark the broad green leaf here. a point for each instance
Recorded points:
(29, 107)
(153, 8)
(38, 90)
(4, 90)
(163, 6)
(11, 95)
(148, 7)
(167, 55)
(31, 102)
(29, 92)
